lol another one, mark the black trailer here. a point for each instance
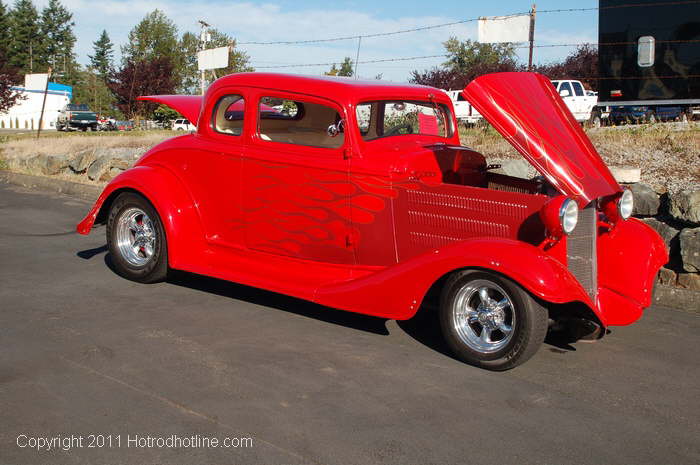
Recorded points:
(649, 59)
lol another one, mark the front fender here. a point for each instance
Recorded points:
(397, 292)
(177, 210)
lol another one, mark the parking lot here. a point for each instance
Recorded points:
(83, 351)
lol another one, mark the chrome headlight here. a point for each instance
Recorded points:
(625, 204)
(568, 215)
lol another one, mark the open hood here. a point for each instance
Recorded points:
(188, 106)
(526, 110)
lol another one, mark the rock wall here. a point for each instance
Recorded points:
(676, 217)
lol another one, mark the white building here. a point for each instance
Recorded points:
(25, 114)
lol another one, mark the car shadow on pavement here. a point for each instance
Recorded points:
(424, 327)
(89, 253)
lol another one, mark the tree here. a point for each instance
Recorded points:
(165, 115)
(91, 88)
(101, 61)
(346, 68)
(24, 44)
(154, 38)
(141, 77)
(190, 44)
(468, 56)
(581, 64)
(9, 77)
(4, 31)
(332, 72)
(465, 61)
(56, 30)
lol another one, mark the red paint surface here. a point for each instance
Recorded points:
(526, 109)
(371, 226)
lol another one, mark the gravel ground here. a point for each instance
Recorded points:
(667, 153)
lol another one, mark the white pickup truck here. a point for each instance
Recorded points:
(580, 103)
(464, 112)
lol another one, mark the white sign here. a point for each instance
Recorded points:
(494, 29)
(35, 81)
(212, 59)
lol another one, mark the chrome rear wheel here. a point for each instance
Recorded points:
(136, 236)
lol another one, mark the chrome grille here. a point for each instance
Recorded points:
(581, 250)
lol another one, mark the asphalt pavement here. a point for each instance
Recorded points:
(86, 353)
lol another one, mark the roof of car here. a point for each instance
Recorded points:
(340, 88)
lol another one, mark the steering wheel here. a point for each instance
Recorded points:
(395, 130)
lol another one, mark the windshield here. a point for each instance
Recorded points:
(388, 118)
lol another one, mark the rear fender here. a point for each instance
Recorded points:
(398, 291)
(173, 203)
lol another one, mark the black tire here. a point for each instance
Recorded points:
(155, 269)
(528, 321)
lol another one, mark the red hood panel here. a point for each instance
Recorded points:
(526, 110)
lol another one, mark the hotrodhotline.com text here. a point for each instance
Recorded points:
(116, 441)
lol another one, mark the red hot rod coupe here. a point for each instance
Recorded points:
(358, 195)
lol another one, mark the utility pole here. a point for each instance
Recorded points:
(203, 39)
(357, 57)
(43, 104)
(532, 35)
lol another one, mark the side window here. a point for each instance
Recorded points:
(364, 116)
(578, 89)
(300, 123)
(228, 115)
(645, 51)
(565, 90)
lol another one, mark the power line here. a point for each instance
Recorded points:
(422, 57)
(463, 21)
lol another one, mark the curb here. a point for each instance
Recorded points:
(665, 296)
(59, 186)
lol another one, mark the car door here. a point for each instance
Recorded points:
(295, 190)
(211, 167)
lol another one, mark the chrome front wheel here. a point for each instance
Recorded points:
(490, 321)
(483, 316)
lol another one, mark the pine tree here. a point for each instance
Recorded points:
(24, 44)
(346, 67)
(4, 30)
(101, 61)
(56, 29)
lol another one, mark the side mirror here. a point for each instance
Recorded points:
(334, 129)
(565, 93)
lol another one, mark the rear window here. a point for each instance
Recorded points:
(228, 115)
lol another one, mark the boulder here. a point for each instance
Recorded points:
(685, 206)
(56, 163)
(667, 233)
(46, 164)
(98, 168)
(626, 174)
(82, 160)
(646, 201)
(690, 249)
(667, 277)
(689, 281)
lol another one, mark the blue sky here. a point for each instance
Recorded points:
(311, 19)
